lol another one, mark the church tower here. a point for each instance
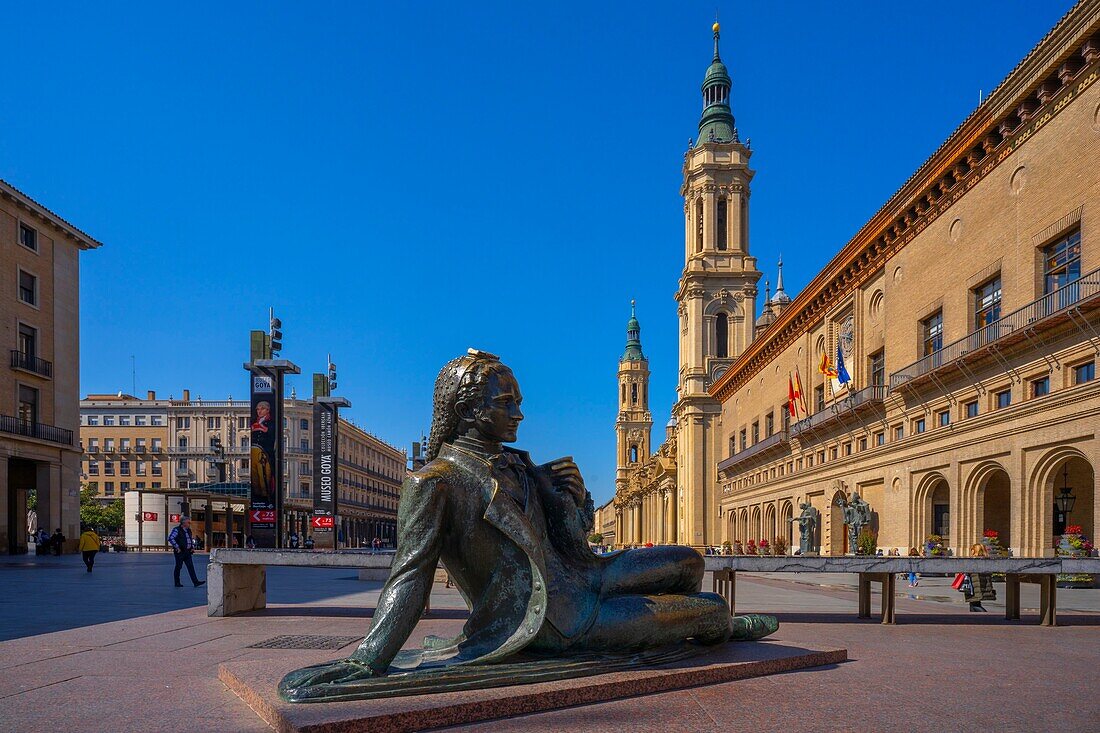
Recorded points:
(716, 298)
(635, 423)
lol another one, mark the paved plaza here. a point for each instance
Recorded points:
(127, 651)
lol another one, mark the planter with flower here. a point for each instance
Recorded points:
(992, 542)
(738, 548)
(779, 546)
(751, 548)
(866, 543)
(934, 547)
(1074, 543)
(764, 547)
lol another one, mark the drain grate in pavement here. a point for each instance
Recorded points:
(304, 641)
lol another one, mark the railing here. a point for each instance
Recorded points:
(41, 431)
(866, 396)
(1083, 289)
(31, 363)
(756, 449)
(198, 450)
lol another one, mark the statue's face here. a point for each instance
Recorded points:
(498, 416)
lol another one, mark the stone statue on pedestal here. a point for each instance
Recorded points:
(513, 536)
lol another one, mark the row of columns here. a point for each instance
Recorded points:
(649, 518)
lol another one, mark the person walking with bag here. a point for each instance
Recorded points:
(975, 593)
(89, 546)
(183, 547)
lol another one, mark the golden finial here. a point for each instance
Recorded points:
(716, 27)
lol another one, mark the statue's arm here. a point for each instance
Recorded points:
(419, 540)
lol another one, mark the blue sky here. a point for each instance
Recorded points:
(404, 180)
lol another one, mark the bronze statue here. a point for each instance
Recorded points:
(807, 522)
(512, 535)
(857, 515)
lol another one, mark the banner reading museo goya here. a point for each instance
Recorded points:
(324, 465)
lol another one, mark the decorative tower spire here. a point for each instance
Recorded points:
(781, 298)
(633, 337)
(767, 293)
(717, 123)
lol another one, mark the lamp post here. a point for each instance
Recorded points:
(1063, 503)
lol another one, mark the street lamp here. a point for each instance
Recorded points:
(1065, 500)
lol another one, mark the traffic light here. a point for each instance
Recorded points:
(275, 336)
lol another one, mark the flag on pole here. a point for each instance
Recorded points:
(792, 403)
(826, 367)
(799, 393)
(842, 375)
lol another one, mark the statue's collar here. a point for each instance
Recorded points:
(508, 456)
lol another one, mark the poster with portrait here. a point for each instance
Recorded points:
(265, 419)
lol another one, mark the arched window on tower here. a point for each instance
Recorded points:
(643, 394)
(720, 225)
(634, 454)
(721, 336)
(699, 225)
(624, 394)
(634, 393)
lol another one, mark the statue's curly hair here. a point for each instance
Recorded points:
(460, 380)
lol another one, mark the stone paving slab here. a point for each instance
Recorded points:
(257, 682)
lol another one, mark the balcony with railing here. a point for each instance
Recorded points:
(31, 363)
(755, 450)
(37, 430)
(855, 402)
(1055, 307)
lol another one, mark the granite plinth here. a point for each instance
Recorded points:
(256, 683)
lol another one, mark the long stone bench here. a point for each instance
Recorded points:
(884, 570)
(237, 578)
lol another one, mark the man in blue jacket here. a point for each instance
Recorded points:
(183, 547)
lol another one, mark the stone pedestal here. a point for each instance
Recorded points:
(235, 589)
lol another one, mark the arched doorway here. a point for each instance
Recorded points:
(1063, 472)
(786, 527)
(770, 530)
(755, 530)
(838, 536)
(940, 508)
(995, 501)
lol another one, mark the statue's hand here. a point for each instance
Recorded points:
(565, 476)
(338, 672)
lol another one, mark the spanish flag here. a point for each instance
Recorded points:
(799, 393)
(792, 400)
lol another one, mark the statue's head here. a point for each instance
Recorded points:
(804, 505)
(477, 394)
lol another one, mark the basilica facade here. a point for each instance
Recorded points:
(942, 364)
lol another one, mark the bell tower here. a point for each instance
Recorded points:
(716, 298)
(635, 423)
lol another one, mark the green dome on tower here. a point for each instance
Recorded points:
(633, 338)
(717, 124)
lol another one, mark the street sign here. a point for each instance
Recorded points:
(149, 516)
(174, 518)
(323, 521)
(261, 516)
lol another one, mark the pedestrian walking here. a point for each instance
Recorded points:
(914, 579)
(309, 542)
(42, 543)
(982, 590)
(89, 546)
(56, 541)
(183, 547)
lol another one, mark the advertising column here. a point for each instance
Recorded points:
(326, 459)
(265, 459)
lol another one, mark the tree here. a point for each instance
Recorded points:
(595, 539)
(97, 515)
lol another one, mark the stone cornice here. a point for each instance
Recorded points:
(1062, 66)
(26, 203)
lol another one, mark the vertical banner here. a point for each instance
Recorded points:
(325, 458)
(265, 464)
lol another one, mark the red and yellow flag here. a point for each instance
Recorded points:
(826, 366)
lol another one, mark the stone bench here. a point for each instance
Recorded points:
(884, 570)
(236, 579)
